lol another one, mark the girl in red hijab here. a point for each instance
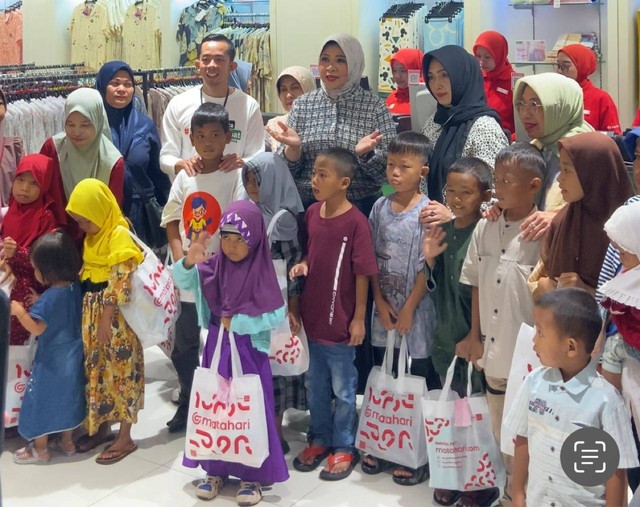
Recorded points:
(491, 50)
(401, 63)
(579, 62)
(34, 210)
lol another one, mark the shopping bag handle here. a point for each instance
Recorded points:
(446, 389)
(387, 361)
(236, 363)
(403, 362)
(217, 352)
(141, 244)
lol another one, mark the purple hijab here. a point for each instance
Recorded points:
(249, 286)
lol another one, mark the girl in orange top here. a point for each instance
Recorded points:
(491, 50)
(579, 62)
(403, 61)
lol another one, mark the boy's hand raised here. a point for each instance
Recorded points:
(433, 243)
(197, 250)
(300, 269)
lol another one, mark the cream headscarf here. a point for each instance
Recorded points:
(562, 105)
(97, 159)
(355, 62)
(302, 75)
(92, 199)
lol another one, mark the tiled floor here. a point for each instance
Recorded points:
(153, 476)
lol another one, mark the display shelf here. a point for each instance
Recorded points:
(530, 5)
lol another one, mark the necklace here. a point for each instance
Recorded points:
(226, 97)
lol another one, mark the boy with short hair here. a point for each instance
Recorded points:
(497, 267)
(194, 207)
(333, 303)
(562, 396)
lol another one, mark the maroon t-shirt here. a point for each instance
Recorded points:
(338, 250)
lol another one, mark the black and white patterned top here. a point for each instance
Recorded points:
(323, 123)
(484, 141)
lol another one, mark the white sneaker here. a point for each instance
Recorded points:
(210, 487)
(250, 493)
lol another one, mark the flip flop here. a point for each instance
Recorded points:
(30, 456)
(418, 475)
(57, 445)
(479, 498)
(380, 466)
(87, 442)
(117, 455)
(453, 499)
(318, 453)
(340, 457)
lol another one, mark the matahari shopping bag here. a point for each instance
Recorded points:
(227, 418)
(288, 353)
(390, 425)
(524, 361)
(463, 454)
(155, 304)
(19, 362)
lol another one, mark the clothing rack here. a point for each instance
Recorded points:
(27, 68)
(154, 77)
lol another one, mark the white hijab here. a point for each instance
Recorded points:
(355, 62)
(622, 228)
(97, 159)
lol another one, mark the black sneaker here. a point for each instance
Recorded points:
(179, 421)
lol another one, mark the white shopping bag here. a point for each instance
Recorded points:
(227, 418)
(463, 453)
(524, 361)
(19, 362)
(7, 283)
(155, 303)
(390, 425)
(288, 353)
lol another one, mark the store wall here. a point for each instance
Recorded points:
(46, 40)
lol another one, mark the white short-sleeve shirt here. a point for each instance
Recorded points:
(547, 410)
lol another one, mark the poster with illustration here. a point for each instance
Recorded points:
(201, 213)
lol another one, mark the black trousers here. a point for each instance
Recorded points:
(186, 352)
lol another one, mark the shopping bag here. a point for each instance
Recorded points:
(19, 362)
(288, 353)
(390, 425)
(155, 304)
(524, 361)
(6, 284)
(463, 453)
(227, 418)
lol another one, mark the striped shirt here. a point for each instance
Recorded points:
(323, 123)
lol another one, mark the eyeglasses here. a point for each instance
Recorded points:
(564, 67)
(528, 107)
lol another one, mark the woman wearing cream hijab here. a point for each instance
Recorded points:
(292, 82)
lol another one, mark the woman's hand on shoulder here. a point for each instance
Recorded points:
(435, 213)
(573, 280)
(536, 226)
(493, 213)
(368, 143)
(286, 136)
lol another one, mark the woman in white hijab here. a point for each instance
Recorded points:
(339, 114)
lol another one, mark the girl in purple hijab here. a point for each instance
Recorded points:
(237, 288)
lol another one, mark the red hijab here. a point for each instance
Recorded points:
(27, 222)
(498, 48)
(399, 99)
(584, 59)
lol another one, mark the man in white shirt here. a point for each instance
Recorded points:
(214, 64)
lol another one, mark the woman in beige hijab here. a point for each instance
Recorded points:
(292, 82)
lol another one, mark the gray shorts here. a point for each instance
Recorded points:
(615, 352)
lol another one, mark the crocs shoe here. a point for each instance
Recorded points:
(250, 493)
(210, 487)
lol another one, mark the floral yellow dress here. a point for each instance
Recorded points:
(115, 372)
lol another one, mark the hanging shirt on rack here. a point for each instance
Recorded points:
(142, 37)
(92, 40)
(245, 120)
(11, 37)
(195, 22)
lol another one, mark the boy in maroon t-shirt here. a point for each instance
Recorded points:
(338, 264)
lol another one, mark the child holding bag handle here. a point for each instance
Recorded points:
(237, 288)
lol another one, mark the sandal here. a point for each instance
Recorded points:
(210, 487)
(479, 498)
(318, 453)
(438, 498)
(29, 456)
(380, 465)
(417, 476)
(334, 459)
(88, 442)
(114, 456)
(57, 445)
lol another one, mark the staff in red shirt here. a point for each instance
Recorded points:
(401, 63)
(491, 50)
(579, 62)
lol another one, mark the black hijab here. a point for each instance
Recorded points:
(468, 103)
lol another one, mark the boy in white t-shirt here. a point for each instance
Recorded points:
(194, 207)
(561, 397)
